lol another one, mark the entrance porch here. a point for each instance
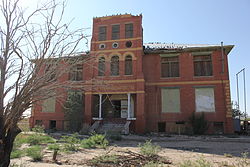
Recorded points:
(113, 112)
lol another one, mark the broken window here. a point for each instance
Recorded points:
(170, 66)
(129, 30)
(204, 100)
(49, 105)
(115, 31)
(101, 66)
(128, 65)
(170, 100)
(102, 33)
(114, 66)
(203, 65)
(76, 73)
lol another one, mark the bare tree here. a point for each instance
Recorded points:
(32, 46)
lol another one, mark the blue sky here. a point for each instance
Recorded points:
(181, 21)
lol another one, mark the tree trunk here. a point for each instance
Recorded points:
(6, 145)
(55, 155)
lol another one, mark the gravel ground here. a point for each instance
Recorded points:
(216, 150)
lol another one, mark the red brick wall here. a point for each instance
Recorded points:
(146, 78)
(187, 81)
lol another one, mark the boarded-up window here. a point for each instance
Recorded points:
(170, 66)
(128, 65)
(203, 65)
(115, 31)
(102, 33)
(204, 99)
(129, 30)
(49, 105)
(170, 100)
(101, 66)
(114, 66)
(76, 73)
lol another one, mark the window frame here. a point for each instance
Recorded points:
(114, 65)
(101, 64)
(129, 32)
(170, 65)
(102, 34)
(115, 33)
(128, 65)
(203, 66)
(75, 74)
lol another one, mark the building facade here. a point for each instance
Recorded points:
(151, 87)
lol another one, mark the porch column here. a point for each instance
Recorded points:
(88, 109)
(100, 106)
(129, 105)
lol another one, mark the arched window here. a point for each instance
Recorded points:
(101, 66)
(128, 65)
(114, 66)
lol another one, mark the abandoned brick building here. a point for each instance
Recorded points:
(155, 87)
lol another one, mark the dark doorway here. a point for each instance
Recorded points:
(161, 126)
(218, 128)
(52, 124)
(117, 108)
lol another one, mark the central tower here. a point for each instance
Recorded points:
(117, 49)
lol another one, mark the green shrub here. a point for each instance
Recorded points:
(95, 141)
(20, 139)
(17, 154)
(35, 152)
(199, 124)
(38, 129)
(36, 139)
(71, 142)
(55, 148)
(149, 149)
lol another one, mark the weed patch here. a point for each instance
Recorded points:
(71, 142)
(37, 139)
(201, 162)
(95, 141)
(17, 154)
(149, 149)
(35, 152)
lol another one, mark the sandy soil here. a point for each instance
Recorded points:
(216, 150)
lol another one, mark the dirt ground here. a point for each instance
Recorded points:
(220, 150)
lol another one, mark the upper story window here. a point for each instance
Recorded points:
(128, 65)
(101, 66)
(170, 66)
(203, 65)
(129, 30)
(50, 72)
(102, 33)
(114, 66)
(75, 73)
(115, 31)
